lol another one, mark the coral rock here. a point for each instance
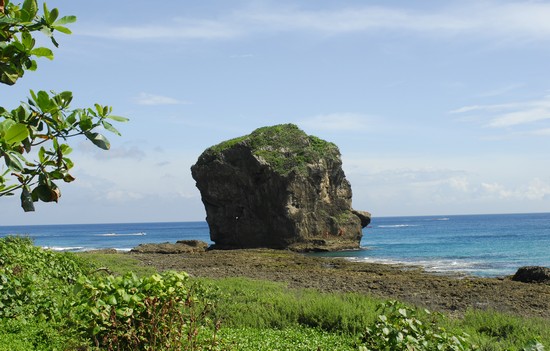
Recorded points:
(278, 188)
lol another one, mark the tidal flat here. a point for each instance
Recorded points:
(450, 294)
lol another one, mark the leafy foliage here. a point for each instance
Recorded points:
(33, 281)
(159, 312)
(45, 121)
(398, 328)
(290, 338)
(40, 288)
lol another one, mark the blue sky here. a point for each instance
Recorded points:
(438, 107)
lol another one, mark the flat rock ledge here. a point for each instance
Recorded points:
(532, 274)
(181, 246)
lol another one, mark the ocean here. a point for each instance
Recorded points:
(478, 245)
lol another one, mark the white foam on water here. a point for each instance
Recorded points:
(397, 225)
(83, 249)
(115, 234)
(66, 248)
(432, 266)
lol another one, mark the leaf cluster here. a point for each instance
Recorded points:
(45, 121)
(17, 46)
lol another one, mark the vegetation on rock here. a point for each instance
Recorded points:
(285, 147)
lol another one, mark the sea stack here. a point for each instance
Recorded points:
(278, 188)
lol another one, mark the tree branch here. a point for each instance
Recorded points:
(1, 6)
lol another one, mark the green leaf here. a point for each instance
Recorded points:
(111, 300)
(65, 149)
(27, 40)
(42, 52)
(41, 154)
(108, 126)
(12, 161)
(52, 17)
(62, 29)
(16, 134)
(99, 140)
(9, 75)
(68, 178)
(46, 11)
(65, 20)
(31, 8)
(26, 200)
(118, 118)
(43, 101)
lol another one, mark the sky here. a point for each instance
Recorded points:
(438, 107)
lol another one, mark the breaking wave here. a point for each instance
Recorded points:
(397, 225)
(115, 234)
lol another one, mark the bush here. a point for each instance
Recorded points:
(159, 312)
(33, 281)
(399, 329)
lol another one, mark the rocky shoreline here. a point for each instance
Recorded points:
(450, 294)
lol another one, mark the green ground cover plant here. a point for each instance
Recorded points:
(58, 301)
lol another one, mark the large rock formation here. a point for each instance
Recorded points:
(278, 188)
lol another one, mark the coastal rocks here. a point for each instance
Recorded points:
(182, 246)
(278, 188)
(532, 274)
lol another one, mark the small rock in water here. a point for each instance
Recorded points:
(532, 274)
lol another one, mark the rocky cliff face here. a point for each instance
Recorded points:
(278, 188)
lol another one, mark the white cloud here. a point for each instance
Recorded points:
(525, 21)
(177, 29)
(500, 90)
(117, 152)
(153, 100)
(543, 132)
(122, 196)
(337, 122)
(511, 114)
(534, 190)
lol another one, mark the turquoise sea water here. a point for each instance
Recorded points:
(481, 245)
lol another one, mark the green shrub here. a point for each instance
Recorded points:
(159, 312)
(33, 281)
(398, 328)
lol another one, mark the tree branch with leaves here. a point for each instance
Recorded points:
(34, 135)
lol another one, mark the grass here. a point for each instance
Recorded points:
(118, 264)
(497, 331)
(263, 304)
